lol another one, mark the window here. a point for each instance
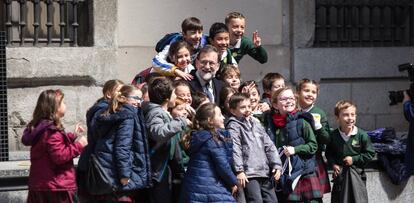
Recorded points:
(364, 23)
(47, 22)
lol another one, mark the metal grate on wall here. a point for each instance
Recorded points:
(364, 23)
(4, 138)
(46, 22)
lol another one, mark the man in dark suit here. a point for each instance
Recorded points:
(207, 65)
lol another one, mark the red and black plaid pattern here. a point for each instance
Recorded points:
(322, 174)
(307, 188)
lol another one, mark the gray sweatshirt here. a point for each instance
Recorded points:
(253, 151)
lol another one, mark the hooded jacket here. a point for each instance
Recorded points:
(91, 115)
(51, 156)
(122, 147)
(209, 175)
(253, 151)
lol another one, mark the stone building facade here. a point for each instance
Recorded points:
(124, 34)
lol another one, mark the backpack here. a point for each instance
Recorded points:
(140, 77)
(166, 40)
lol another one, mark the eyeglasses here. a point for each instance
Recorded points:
(139, 99)
(207, 62)
(286, 99)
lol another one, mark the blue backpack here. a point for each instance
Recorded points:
(166, 40)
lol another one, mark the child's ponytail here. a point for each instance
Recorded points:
(120, 97)
(110, 87)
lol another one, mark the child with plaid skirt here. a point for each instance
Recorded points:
(292, 132)
(308, 91)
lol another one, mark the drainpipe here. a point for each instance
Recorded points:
(291, 41)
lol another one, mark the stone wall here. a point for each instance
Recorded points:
(363, 75)
(78, 71)
(139, 31)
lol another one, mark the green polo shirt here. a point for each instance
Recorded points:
(322, 134)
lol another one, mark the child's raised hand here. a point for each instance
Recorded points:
(348, 161)
(257, 41)
(189, 123)
(79, 129)
(263, 107)
(183, 75)
(248, 88)
(191, 111)
(173, 97)
(241, 177)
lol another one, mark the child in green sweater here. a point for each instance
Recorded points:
(307, 91)
(348, 150)
(241, 45)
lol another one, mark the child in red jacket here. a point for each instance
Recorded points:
(52, 173)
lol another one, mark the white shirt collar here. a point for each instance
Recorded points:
(237, 45)
(307, 109)
(223, 56)
(345, 136)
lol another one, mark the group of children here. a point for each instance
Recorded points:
(164, 141)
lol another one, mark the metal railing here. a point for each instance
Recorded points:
(46, 22)
(364, 23)
(4, 137)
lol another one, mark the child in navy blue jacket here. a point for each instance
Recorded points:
(122, 147)
(209, 176)
(110, 88)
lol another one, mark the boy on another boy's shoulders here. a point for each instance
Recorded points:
(241, 45)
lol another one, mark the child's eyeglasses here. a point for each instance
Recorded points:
(139, 99)
(286, 99)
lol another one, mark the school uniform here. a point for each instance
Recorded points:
(322, 135)
(246, 46)
(357, 145)
(294, 130)
(226, 58)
